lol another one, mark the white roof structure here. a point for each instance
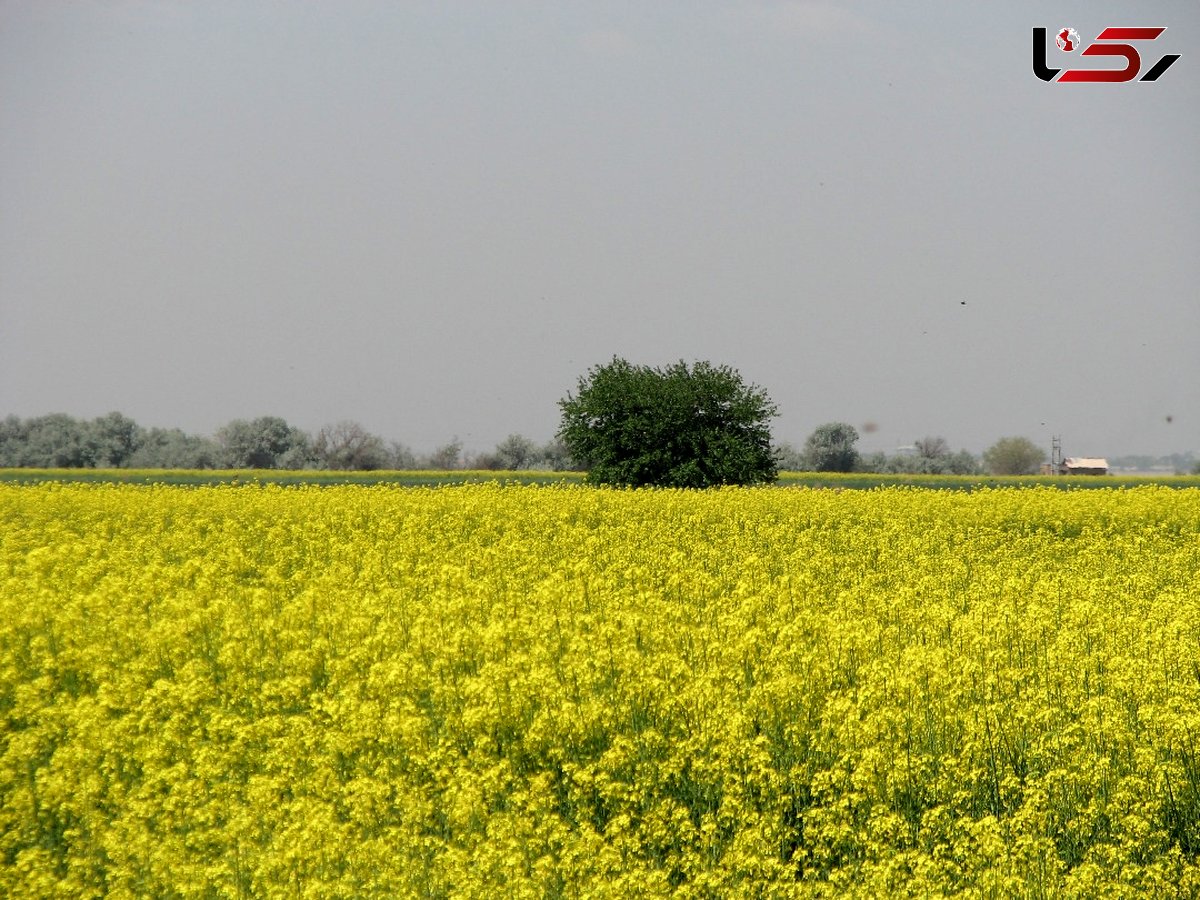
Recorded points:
(1085, 462)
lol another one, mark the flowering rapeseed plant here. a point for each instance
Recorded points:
(568, 691)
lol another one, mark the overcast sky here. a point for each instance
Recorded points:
(433, 218)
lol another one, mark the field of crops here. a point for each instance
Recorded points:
(535, 691)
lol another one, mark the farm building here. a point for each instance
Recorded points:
(1082, 465)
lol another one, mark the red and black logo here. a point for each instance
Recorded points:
(1109, 43)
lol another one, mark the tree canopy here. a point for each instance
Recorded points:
(677, 426)
(268, 442)
(1013, 456)
(830, 448)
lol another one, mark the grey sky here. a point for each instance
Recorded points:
(433, 217)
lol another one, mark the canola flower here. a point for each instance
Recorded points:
(494, 690)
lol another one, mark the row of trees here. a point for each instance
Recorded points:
(268, 442)
(681, 425)
(831, 448)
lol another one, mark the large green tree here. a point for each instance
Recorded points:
(678, 426)
(1013, 456)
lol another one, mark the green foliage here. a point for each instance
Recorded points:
(831, 448)
(267, 442)
(114, 438)
(401, 456)
(555, 457)
(62, 441)
(932, 447)
(170, 448)
(56, 440)
(516, 452)
(789, 458)
(678, 426)
(962, 463)
(932, 457)
(115, 441)
(348, 446)
(1013, 456)
(447, 456)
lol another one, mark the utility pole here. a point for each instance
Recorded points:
(1056, 455)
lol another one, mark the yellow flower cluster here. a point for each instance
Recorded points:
(566, 691)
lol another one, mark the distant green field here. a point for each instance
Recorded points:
(866, 481)
(426, 478)
(201, 477)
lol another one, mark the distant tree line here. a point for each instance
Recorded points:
(60, 441)
(1178, 463)
(831, 448)
(269, 442)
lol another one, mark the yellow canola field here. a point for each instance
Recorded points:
(492, 690)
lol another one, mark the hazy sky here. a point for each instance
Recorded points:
(434, 217)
